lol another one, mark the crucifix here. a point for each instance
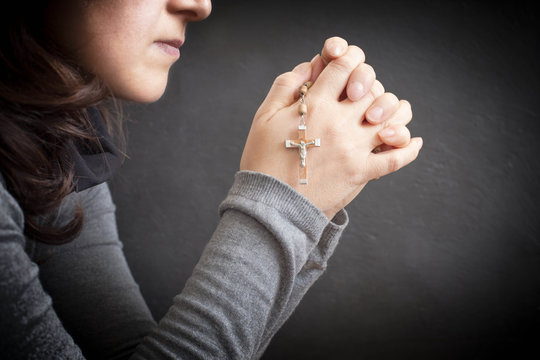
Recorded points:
(302, 143)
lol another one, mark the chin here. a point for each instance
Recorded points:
(149, 98)
(143, 94)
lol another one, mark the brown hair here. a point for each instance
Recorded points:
(44, 97)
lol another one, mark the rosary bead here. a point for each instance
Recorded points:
(303, 90)
(302, 109)
(308, 84)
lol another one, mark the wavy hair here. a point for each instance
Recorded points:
(44, 97)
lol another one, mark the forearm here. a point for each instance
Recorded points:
(312, 270)
(260, 261)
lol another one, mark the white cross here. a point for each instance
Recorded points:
(302, 144)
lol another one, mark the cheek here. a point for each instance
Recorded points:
(124, 56)
(132, 70)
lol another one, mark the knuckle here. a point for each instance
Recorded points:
(393, 164)
(285, 79)
(391, 97)
(350, 60)
(368, 68)
(405, 103)
(357, 52)
(343, 64)
(377, 89)
(407, 106)
(319, 105)
(376, 171)
(380, 87)
(403, 138)
(405, 132)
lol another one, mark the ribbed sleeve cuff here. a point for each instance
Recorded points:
(329, 239)
(268, 191)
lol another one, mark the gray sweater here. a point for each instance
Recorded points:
(79, 300)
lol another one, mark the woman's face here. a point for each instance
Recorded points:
(124, 41)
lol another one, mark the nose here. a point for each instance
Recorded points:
(194, 10)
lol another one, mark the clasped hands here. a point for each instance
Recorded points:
(362, 128)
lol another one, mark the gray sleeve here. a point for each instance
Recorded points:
(89, 280)
(270, 245)
(81, 301)
(29, 327)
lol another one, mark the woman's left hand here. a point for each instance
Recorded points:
(392, 136)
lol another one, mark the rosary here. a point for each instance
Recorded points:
(302, 143)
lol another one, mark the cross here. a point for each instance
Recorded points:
(302, 144)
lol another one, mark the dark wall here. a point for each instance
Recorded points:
(441, 260)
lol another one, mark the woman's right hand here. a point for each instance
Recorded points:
(342, 166)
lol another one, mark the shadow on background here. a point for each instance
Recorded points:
(441, 260)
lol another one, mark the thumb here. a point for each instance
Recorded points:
(284, 89)
(389, 161)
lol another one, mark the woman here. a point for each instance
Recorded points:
(65, 288)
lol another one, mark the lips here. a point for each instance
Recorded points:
(170, 47)
(174, 43)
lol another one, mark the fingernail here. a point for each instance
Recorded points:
(357, 90)
(388, 132)
(302, 68)
(375, 113)
(335, 49)
(420, 142)
(312, 60)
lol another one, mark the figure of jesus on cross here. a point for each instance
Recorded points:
(302, 144)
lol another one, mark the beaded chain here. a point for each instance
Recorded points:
(302, 106)
(302, 143)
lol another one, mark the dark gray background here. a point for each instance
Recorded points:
(441, 260)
